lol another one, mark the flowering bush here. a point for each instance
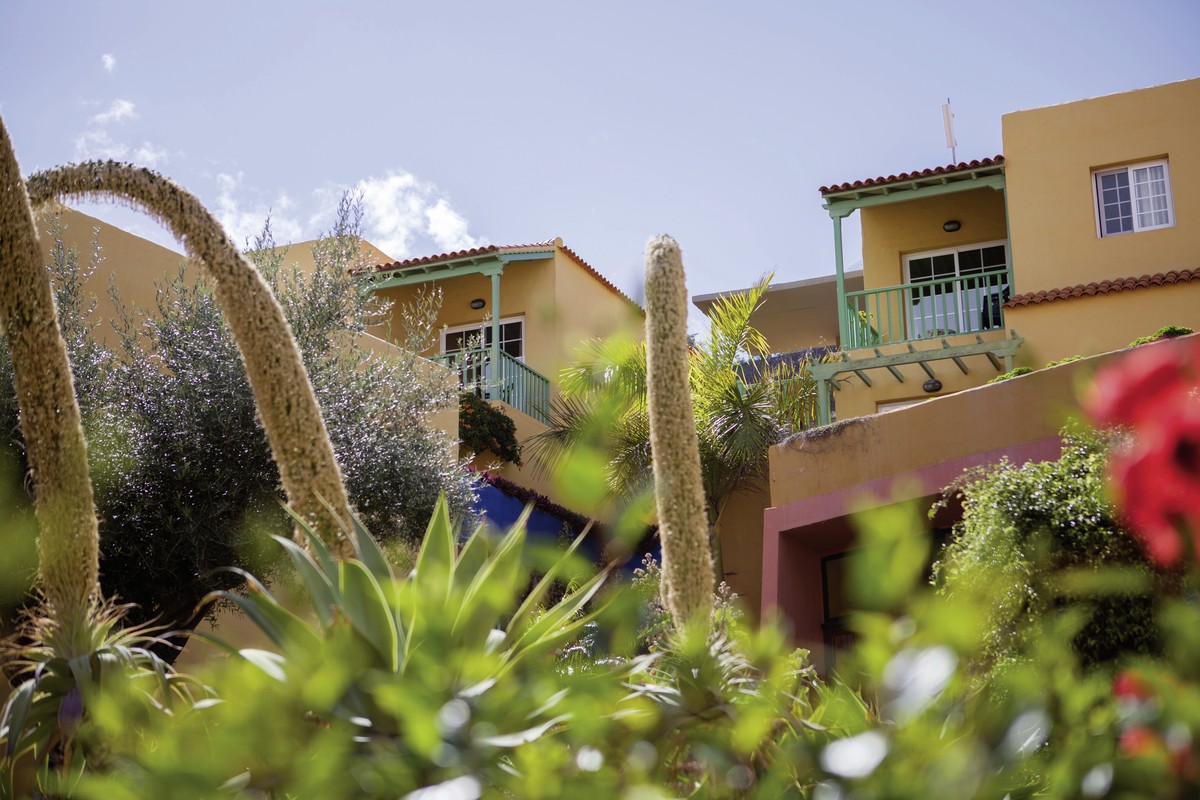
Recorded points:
(484, 428)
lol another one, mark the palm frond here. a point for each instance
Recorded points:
(616, 366)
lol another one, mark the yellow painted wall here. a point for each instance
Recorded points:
(132, 263)
(890, 233)
(528, 475)
(561, 302)
(526, 289)
(1016, 411)
(1086, 325)
(893, 231)
(796, 315)
(300, 254)
(741, 532)
(586, 309)
(1050, 154)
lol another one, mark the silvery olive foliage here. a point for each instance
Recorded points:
(184, 476)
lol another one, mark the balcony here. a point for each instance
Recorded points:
(928, 309)
(513, 382)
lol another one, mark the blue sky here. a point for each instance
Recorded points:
(605, 123)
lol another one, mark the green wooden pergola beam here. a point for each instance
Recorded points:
(924, 364)
(957, 361)
(897, 374)
(826, 373)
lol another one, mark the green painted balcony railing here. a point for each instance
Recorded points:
(514, 383)
(925, 310)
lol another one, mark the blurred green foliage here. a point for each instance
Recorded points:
(377, 686)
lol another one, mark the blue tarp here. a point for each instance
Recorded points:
(502, 510)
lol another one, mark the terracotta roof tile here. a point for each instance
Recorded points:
(915, 175)
(474, 251)
(492, 248)
(1105, 287)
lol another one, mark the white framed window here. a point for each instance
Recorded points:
(958, 290)
(1133, 198)
(479, 336)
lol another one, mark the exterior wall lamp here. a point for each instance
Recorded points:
(478, 303)
(951, 225)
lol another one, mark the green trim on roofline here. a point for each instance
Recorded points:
(486, 264)
(844, 203)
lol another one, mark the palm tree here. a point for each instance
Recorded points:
(744, 402)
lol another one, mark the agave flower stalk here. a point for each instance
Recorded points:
(68, 547)
(286, 403)
(679, 492)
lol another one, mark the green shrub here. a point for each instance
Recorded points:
(485, 428)
(1011, 374)
(1066, 360)
(1165, 332)
(1028, 533)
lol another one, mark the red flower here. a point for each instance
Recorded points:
(1140, 741)
(1156, 477)
(1130, 390)
(1130, 685)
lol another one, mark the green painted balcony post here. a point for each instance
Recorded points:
(496, 328)
(843, 320)
(1012, 287)
(822, 401)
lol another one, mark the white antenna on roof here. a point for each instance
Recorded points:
(948, 124)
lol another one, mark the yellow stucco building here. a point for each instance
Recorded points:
(510, 318)
(1078, 239)
(1081, 237)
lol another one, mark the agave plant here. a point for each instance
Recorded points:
(45, 716)
(433, 677)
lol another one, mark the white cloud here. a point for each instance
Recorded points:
(244, 221)
(402, 213)
(119, 110)
(97, 144)
(147, 155)
(447, 227)
(109, 61)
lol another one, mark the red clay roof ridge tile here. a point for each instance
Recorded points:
(493, 248)
(1168, 278)
(903, 177)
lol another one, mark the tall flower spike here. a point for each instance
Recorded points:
(69, 544)
(284, 396)
(687, 570)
